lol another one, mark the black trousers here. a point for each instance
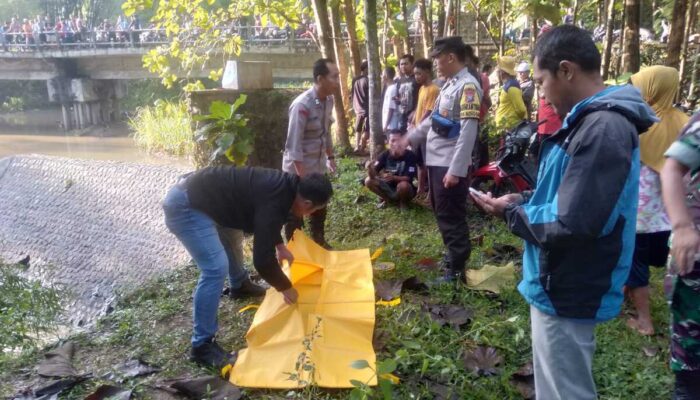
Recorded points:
(317, 222)
(450, 208)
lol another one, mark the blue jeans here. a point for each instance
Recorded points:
(201, 237)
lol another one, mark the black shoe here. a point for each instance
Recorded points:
(210, 354)
(446, 262)
(248, 289)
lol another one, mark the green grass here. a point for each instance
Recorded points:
(154, 322)
(165, 127)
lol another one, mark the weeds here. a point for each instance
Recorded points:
(165, 127)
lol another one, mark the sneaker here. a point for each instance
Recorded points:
(248, 289)
(210, 354)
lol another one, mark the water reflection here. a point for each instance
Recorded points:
(39, 132)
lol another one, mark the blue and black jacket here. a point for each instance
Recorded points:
(579, 225)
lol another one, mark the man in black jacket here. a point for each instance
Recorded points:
(254, 200)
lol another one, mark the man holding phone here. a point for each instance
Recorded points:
(579, 223)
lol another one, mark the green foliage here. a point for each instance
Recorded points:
(27, 309)
(197, 31)
(362, 390)
(165, 127)
(12, 104)
(226, 132)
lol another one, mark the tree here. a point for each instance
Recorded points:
(324, 32)
(426, 28)
(609, 28)
(375, 90)
(339, 50)
(630, 54)
(352, 36)
(407, 47)
(675, 39)
(691, 16)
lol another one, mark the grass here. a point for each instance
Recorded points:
(154, 322)
(165, 127)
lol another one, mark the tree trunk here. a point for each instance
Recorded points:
(407, 45)
(675, 38)
(425, 28)
(694, 91)
(348, 8)
(341, 59)
(441, 18)
(630, 55)
(502, 46)
(323, 30)
(483, 23)
(600, 13)
(689, 23)
(533, 33)
(375, 89)
(477, 28)
(448, 19)
(575, 12)
(385, 30)
(609, 28)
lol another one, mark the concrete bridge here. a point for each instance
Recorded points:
(88, 82)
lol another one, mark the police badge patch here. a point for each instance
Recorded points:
(470, 104)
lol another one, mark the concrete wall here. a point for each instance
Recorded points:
(94, 228)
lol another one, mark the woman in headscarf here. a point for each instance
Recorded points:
(659, 87)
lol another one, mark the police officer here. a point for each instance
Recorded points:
(309, 148)
(451, 133)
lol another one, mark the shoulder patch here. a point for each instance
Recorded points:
(470, 104)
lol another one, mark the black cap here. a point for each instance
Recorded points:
(450, 44)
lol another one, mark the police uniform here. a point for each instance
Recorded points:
(309, 141)
(451, 134)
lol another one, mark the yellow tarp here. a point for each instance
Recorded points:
(336, 298)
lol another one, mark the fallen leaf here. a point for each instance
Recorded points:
(491, 278)
(427, 263)
(451, 314)
(442, 392)
(59, 386)
(482, 361)
(134, 368)
(391, 378)
(525, 371)
(388, 290)
(58, 363)
(109, 392)
(380, 339)
(526, 389)
(477, 240)
(376, 253)
(384, 266)
(650, 351)
(413, 284)
(210, 387)
(390, 303)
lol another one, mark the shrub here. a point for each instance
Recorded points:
(165, 127)
(27, 309)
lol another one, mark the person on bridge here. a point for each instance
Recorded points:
(255, 200)
(309, 148)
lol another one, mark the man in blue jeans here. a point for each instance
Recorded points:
(254, 200)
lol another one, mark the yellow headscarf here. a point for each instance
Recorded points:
(659, 86)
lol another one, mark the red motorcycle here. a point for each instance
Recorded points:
(513, 171)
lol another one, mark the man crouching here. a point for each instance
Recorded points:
(391, 176)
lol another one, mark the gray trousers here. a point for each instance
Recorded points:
(562, 357)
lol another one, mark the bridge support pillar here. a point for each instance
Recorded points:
(86, 102)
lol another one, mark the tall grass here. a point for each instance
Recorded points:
(165, 127)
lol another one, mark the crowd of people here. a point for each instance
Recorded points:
(42, 31)
(610, 191)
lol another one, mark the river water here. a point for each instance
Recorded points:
(39, 132)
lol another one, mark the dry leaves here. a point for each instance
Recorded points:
(483, 361)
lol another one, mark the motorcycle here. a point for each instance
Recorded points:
(513, 171)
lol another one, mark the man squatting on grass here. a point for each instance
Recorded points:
(255, 200)
(579, 223)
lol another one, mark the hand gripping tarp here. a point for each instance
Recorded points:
(336, 299)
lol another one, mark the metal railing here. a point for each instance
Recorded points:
(264, 36)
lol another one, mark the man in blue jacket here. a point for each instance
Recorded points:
(579, 223)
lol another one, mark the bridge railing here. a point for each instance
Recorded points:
(264, 36)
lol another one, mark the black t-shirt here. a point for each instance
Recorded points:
(406, 165)
(254, 200)
(408, 94)
(360, 95)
